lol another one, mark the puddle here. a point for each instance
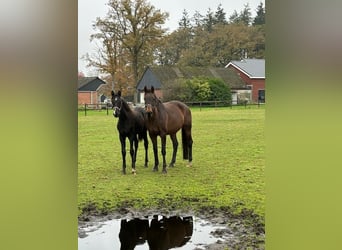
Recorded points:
(184, 233)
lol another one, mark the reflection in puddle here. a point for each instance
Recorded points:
(159, 232)
(164, 233)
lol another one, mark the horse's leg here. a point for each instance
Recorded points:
(190, 148)
(123, 152)
(132, 151)
(163, 151)
(187, 144)
(155, 151)
(189, 139)
(175, 146)
(146, 149)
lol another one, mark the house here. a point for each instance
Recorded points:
(88, 90)
(161, 76)
(252, 72)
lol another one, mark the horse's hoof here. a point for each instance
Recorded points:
(164, 171)
(172, 165)
(189, 164)
(155, 169)
(134, 171)
(123, 171)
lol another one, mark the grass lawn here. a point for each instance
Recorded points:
(228, 165)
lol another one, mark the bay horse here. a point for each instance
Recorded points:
(167, 119)
(131, 125)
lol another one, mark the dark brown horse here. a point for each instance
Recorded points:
(167, 119)
(131, 125)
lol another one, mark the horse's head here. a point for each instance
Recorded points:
(117, 103)
(151, 100)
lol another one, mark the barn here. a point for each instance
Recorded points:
(160, 76)
(88, 91)
(252, 72)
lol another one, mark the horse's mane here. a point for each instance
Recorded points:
(125, 104)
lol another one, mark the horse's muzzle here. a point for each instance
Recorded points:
(116, 112)
(148, 109)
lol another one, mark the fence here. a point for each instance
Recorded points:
(201, 104)
(100, 106)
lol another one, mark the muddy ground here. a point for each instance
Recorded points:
(243, 231)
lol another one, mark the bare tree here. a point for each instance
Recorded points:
(107, 56)
(128, 33)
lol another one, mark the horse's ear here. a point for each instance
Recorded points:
(119, 93)
(112, 93)
(152, 89)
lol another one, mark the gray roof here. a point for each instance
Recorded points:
(89, 83)
(253, 68)
(160, 75)
(149, 78)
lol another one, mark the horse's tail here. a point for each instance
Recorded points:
(185, 145)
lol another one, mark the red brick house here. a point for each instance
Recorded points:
(88, 90)
(252, 72)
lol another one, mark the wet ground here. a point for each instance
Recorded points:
(213, 229)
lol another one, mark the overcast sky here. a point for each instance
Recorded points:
(88, 10)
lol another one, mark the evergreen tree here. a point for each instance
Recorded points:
(234, 18)
(209, 20)
(246, 15)
(184, 23)
(198, 19)
(260, 17)
(220, 15)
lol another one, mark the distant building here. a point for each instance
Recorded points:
(159, 76)
(252, 72)
(88, 90)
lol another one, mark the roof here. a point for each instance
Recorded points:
(89, 83)
(160, 75)
(253, 68)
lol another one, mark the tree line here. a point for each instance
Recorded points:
(131, 36)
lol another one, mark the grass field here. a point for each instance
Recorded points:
(228, 165)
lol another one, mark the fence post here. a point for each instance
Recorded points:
(85, 109)
(107, 108)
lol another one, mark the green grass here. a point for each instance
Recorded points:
(228, 165)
